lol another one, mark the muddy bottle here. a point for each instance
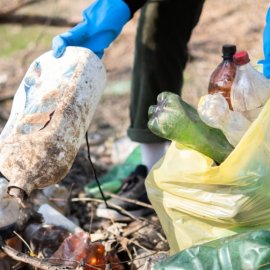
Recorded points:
(51, 112)
(222, 78)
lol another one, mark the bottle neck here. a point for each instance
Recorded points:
(245, 66)
(227, 58)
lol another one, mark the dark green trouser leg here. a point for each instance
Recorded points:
(164, 29)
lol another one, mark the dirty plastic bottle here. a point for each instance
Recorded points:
(250, 89)
(51, 112)
(222, 78)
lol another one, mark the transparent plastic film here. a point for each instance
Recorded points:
(244, 251)
(197, 202)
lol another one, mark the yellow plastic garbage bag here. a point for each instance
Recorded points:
(197, 202)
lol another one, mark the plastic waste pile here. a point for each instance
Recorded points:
(52, 236)
(249, 92)
(51, 112)
(213, 181)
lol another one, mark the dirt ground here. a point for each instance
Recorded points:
(237, 22)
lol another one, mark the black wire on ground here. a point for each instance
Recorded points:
(120, 211)
(94, 171)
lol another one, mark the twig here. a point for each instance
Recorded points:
(32, 253)
(129, 200)
(135, 242)
(141, 219)
(79, 264)
(133, 230)
(111, 205)
(91, 220)
(35, 262)
(124, 244)
(18, 266)
(154, 223)
(147, 264)
(161, 237)
(86, 200)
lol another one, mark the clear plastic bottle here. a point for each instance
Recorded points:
(222, 78)
(214, 111)
(250, 90)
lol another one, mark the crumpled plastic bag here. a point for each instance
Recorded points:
(197, 202)
(244, 251)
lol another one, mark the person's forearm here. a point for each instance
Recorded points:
(102, 22)
(134, 5)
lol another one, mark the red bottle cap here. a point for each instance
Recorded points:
(241, 58)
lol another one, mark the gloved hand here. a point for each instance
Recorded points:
(103, 21)
(266, 46)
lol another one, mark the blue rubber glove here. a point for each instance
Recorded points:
(103, 21)
(266, 46)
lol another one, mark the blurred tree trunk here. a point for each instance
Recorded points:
(12, 6)
(36, 19)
